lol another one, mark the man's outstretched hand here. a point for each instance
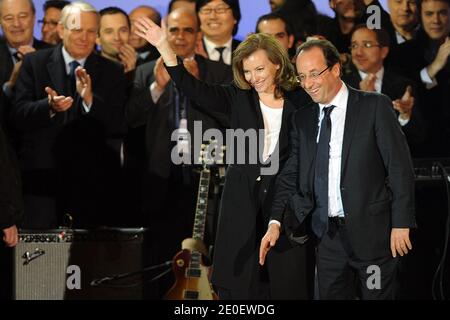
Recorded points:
(268, 241)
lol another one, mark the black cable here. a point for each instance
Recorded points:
(440, 270)
(101, 281)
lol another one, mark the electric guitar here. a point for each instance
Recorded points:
(192, 275)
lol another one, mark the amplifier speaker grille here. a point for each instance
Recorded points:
(41, 261)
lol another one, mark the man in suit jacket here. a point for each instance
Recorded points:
(11, 204)
(11, 212)
(425, 59)
(17, 19)
(169, 190)
(64, 115)
(369, 49)
(350, 175)
(145, 51)
(404, 21)
(218, 28)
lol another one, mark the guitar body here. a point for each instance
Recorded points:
(191, 274)
(189, 284)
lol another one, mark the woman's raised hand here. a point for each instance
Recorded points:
(150, 31)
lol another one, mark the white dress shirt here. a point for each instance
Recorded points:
(272, 126)
(214, 55)
(335, 206)
(378, 80)
(67, 60)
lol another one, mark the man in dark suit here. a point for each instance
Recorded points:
(113, 37)
(425, 59)
(69, 102)
(49, 24)
(350, 175)
(219, 21)
(369, 49)
(11, 212)
(145, 51)
(404, 21)
(17, 19)
(11, 205)
(169, 190)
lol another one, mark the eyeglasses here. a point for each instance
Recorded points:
(366, 45)
(313, 76)
(51, 23)
(217, 10)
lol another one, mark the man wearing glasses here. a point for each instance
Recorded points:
(219, 21)
(349, 177)
(369, 49)
(52, 15)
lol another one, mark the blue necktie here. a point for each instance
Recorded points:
(73, 81)
(319, 221)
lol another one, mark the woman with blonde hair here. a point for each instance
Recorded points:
(258, 100)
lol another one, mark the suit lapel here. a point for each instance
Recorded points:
(201, 66)
(311, 125)
(257, 110)
(351, 119)
(57, 71)
(288, 109)
(91, 66)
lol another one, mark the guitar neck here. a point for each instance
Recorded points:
(202, 205)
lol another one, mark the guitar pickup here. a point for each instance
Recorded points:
(193, 273)
(191, 295)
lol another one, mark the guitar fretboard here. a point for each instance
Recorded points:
(202, 205)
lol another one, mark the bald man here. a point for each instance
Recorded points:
(146, 52)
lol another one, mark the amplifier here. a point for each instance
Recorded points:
(430, 170)
(61, 264)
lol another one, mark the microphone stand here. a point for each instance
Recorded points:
(105, 280)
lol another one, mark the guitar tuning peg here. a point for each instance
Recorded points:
(203, 146)
(219, 161)
(221, 154)
(200, 159)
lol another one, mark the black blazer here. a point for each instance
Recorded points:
(247, 195)
(6, 67)
(411, 57)
(70, 151)
(158, 118)
(377, 180)
(31, 114)
(153, 54)
(11, 202)
(394, 86)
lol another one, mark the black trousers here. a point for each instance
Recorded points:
(341, 276)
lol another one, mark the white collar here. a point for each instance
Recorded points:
(68, 59)
(339, 100)
(379, 74)
(211, 46)
(378, 81)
